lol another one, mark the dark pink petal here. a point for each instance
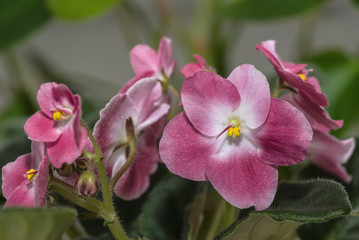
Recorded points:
(110, 130)
(329, 153)
(285, 136)
(184, 150)
(40, 183)
(254, 90)
(63, 97)
(136, 179)
(242, 178)
(294, 68)
(42, 128)
(45, 98)
(268, 49)
(134, 80)
(13, 174)
(190, 69)
(164, 60)
(143, 59)
(22, 196)
(66, 149)
(209, 101)
(316, 115)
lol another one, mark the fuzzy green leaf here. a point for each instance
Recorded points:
(35, 223)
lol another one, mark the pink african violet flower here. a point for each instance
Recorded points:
(58, 123)
(325, 151)
(146, 62)
(294, 74)
(234, 134)
(143, 103)
(25, 180)
(190, 69)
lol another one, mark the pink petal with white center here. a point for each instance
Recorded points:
(242, 178)
(209, 101)
(22, 196)
(136, 179)
(164, 60)
(66, 149)
(42, 128)
(285, 136)
(184, 150)
(134, 80)
(254, 90)
(316, 115)
(329, 153)
(13, 174)
(144, 59)
(110, 130)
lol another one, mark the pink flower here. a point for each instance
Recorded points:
(190, 69)
(25, 180)
(234, 134)
(58, 123)
(143, 103)
(294, 74)
(146, 62)
(325, 151)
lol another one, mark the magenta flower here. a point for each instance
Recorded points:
(325, 151)
(58, 123)
(234, 134)
(146, 62)
(143, 103)
(294, 74)
(190, 69)
(25, 180)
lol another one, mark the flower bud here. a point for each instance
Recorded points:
(80, 165)
(87, 184)
(66, 170)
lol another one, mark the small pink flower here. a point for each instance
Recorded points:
(190, 69)
(58, 123)
(234, 134)
(25, 180)
(294, 74)
(146, 62)
(143, 103)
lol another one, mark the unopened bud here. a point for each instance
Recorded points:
(66, 170)
(81, 165)
(87, 184)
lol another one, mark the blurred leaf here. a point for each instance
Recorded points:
(35, 223)
(261, 227)
(356, 2)
(195, 216)
(264, 9)
(163, 214)
(339, 80)
(79, 9)
(19, 18)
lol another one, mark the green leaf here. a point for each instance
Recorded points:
(339, 74)
(20, 18)
(163, 214)
(35, 223)
(264, 9)
(79, 9)
(261, 227)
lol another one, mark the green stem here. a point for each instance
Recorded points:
(108, 213)
(175, 92)
(277, 90)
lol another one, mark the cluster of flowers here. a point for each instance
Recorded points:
(231, 132)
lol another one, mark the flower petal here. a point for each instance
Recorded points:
(184, 150)
(242, 178)
(254, 90)
(45, 98)
(23, 196)
(134, 80)
(164, 60)
(143, 59)
(13, 174)
(42, 128)
(329, 153)
(208, 100)
(285, 136)
(40, 182)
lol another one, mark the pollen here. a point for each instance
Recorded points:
(236, 131)
(57, 115)
(31, 174)
(302, 76)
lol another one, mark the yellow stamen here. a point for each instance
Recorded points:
(302, 76)
(31, 174)
(57, 115)
(236, 131)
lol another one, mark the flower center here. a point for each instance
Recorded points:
(57, 115)
(302, 76)
(31, 174)
(234, 128)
